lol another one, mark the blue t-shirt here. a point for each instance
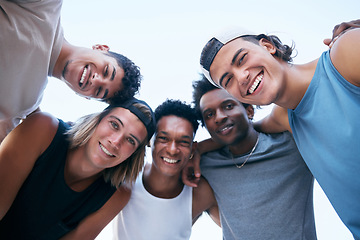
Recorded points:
(326, 129)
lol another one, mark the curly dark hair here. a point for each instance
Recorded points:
(131, 80)
(201, 87)
(179, 109)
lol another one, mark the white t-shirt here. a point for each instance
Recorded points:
(31, 38)
(148, 217)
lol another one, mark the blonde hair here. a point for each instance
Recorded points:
(127, 171)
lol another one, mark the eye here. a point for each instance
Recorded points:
(106, 71)
(242, 58)
(131, 141)
(227, 82)
(114, 124)
(185, 143)
(229, 106)
(208, 115)
(162, 138)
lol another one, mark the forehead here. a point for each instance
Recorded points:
(125, 115)
(223, 59)
(214, 99)
(175, 126)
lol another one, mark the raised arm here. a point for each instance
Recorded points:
(19, 152)
(276, 121)
(92, 225)
(345, 55)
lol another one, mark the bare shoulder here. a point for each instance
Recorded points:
(345, 55)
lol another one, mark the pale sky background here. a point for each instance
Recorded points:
(165, 39)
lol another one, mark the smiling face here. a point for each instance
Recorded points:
(92, 73)
(116, 138)
(172, 145)
(248, 71)
(225, 118)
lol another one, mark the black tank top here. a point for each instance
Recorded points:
(45, 207)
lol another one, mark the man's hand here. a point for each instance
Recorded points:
(191, 173)
(341, 29)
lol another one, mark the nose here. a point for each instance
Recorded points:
(97, 80)
(172, 148)
(116, 139)
(220, 116)
(242, 76)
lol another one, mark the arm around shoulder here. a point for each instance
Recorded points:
(345, 55)
(19, 152)
(92, 225)
(277, 121)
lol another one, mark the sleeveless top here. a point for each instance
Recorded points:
(45, 207)
(149, 217)
(326, 128)
(270, 197)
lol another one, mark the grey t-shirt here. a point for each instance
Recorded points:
(270, 197)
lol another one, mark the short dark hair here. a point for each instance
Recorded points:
(201, 87)
(179, 109)
(131, 80)
(283, 51)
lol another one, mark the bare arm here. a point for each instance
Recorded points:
(19, 152)
(92, 225)
(345, 55)
(204, 200)
(276, 121)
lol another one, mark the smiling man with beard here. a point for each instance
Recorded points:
(263, 187)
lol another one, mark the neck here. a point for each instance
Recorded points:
(297, 80)
(160, 185)
(246, 144)
(78, 174)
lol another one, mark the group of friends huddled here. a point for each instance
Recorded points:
(63, 180)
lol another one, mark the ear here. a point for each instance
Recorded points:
(268, 46)
(103, 48)
(250, 111)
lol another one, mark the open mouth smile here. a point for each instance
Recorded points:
(225, 129)
(107, 152)
(84, 76)
(171, 161)
(256, 83)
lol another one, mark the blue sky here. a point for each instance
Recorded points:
(165, 39)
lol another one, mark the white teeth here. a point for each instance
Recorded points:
(83, 75)
(168, 160)
(224, 129)
(106, 151)
(256, 83)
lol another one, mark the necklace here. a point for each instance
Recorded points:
(252, 150)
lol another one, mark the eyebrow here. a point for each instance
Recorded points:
(232, 63)
(166, 133)
(113, 74)
(122, 124)
(236, 55)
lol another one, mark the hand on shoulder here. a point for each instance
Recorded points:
(345, 55)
